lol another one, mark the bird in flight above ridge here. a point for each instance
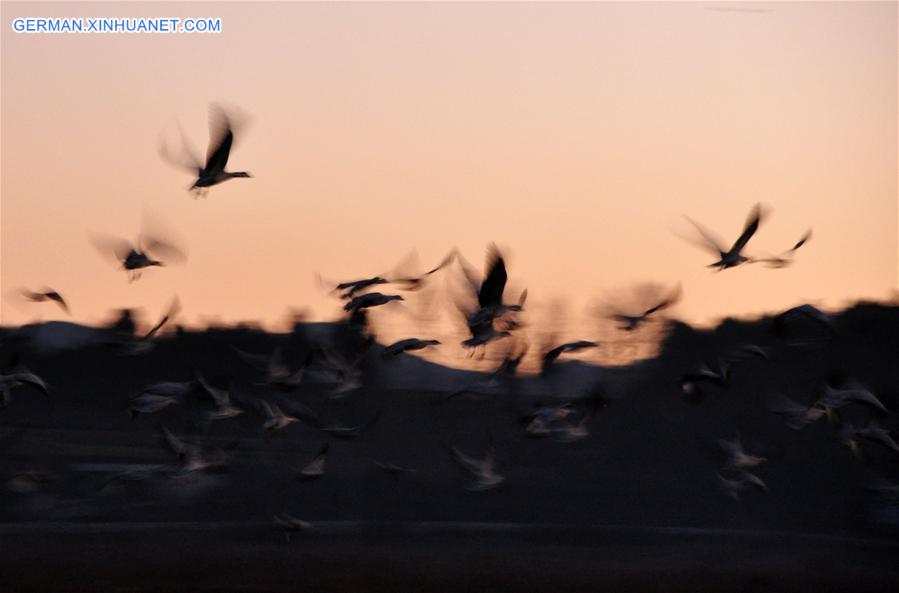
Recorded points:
(221, 140)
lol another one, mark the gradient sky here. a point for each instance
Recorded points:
(575, 135)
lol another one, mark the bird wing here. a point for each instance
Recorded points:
(802, 241)
(186, 158)
(491, 292)
(468, 463)
(220, 139)
(709, 242)
(108, 245)
(752, 225)
(673, 298)
(165, 249)
(173, 309)
(176, 445)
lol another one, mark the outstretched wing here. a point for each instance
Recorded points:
(752, 225)
(709, 242)
(494, 284)
(221, 136)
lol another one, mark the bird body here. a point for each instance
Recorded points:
(371, 299)
(408, 345)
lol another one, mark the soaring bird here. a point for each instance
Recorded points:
(738, 458)
(223, 407)
(221, 138)
(689, 382)
(833, 398)
(632, 322)
(316, 468)
(275, 418)
(479, 317)
(729, 258)
(742, 479)
(786, 258)
(483, 470)
(135, 257)
(551, 355)
(46, 294)
(796, 415)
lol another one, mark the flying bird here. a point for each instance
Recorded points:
(483, 470)
(136, 257)
(408, 345)
(316, 468)
(738, 458)
(221, 139)
(371, 299)
(489, 305)
(729, 258)
(551, 355)
(632, 322)
(275, 418)
(46, 294)
(734, 487)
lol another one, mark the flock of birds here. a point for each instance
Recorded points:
(488, 316)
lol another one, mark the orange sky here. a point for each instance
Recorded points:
(575, 135)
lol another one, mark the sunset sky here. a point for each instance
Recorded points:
(576, 136)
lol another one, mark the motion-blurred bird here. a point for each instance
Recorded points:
(371, 299)
(551, 355)
(408, 345)
(738, 458)
(275, 418)
(632, 322)
(134, 258)
(46, 294)
(734, 487)
(316, 468)
(729, 258)
(221, 138)
(483, 470)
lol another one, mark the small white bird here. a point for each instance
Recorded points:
(149, 403)
(734, 487)
(738, 458)
(837, 397)
(483, 470)
(316, 468)
(797, 415)
(224, 409)
(275, 418)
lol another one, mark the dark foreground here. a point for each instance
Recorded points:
(340, 557)
(92, 500)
